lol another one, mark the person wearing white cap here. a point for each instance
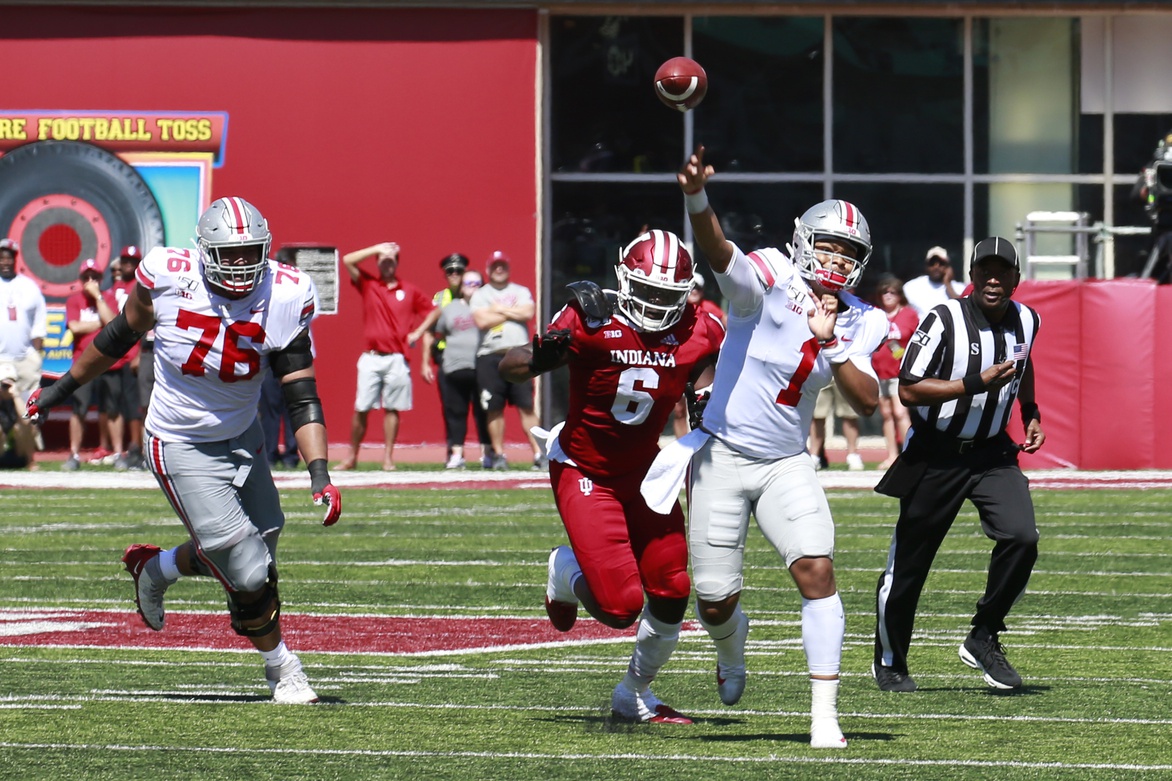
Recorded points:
(935, 286)
(23, 328)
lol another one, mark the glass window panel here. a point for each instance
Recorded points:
(1025, 78)
(604, 114)
(758, 215)
(898, 95)
(1136, 136)
(905, 220)
(1090, 144)
(763, 111)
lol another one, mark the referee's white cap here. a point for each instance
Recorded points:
(996, 247)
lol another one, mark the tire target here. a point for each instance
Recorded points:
(65, 201)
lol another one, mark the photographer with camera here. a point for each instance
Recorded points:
(17, 436)
(1153, 189)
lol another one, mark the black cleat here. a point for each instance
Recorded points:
(982, 651)
(891, 680)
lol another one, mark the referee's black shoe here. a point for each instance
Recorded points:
(892, 680)
(983, 651)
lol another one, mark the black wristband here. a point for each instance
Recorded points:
(973, 384)
(319, 474)
(1030, 412)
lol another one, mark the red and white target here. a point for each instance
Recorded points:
(56, 233)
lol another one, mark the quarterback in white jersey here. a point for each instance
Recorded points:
(792, 325)
(223, 315)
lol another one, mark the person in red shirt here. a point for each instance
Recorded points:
(630, 357)
(902, 321)
(122, 285)
(86, 312)
(391, 308)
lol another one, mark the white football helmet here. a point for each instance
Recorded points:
(838, 220)
(230, 224)
(655, 277)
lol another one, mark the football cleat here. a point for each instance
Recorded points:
(890, 680)
(730, 683)
(983, 651)
(289, 684)
(142, 562)
(628, 705)
(561, 604)
(730, 677)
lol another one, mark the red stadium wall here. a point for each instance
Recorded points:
(346, 128)
(1101, 360)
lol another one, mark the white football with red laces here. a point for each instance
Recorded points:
(681, 83)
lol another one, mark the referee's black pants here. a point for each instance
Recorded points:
(1000, 492)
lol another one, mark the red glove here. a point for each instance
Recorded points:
(331, 497)
(33, 408)
(324, 491)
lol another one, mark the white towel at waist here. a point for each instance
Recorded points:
(661, 487)
(548, 440)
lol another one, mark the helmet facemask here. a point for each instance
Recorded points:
(655, 278)
(226, 229)
(831, 221)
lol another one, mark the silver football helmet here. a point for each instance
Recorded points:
(228, 225)
(839, 220)
(655, 277)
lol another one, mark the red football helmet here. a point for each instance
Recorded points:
(655, 277)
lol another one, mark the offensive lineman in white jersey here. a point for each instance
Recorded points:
(792, 325)
(223, 315)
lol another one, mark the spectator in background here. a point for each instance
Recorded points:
(454, 267)
(130, 403)
(18, 439)
(679, 413)
(935, 286)
(831, 400)
(391, 307)
(274, 414)
(86, 312)
(502, 311)
(22, 321)
(457, 377)
(901, 324)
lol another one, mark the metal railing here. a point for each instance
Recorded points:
(1084, 232)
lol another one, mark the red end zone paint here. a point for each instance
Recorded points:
(336, 634)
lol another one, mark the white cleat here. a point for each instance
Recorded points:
(824, 733)
(629, 705)
(289, 684)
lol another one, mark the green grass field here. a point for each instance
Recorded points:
(1091, 638)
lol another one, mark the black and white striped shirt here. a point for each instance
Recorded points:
(955, 340)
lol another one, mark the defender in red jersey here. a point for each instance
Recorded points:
(630, 353)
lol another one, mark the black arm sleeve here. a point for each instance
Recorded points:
(297, 356)
(117, 337)
(303, 403)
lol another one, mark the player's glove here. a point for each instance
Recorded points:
(697, 401)
(41, 400)
(549, 350)
(325, 492)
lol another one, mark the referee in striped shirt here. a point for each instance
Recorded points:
(967, 362)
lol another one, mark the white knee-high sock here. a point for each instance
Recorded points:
(730, 650)
(654, 643)
(823, 628)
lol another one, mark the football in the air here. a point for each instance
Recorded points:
(681, 83)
